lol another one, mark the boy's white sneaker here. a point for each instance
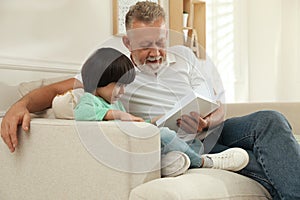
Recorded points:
(233, 159)
(174, 163)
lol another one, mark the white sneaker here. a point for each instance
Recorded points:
(174, 163)
(233, 159)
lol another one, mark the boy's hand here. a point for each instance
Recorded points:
(128, 117)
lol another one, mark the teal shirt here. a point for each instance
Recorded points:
(93, 108)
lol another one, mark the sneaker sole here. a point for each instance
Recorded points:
(182, 168)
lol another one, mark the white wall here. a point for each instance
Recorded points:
(227, 45)
(289, 81)
(49, 38)
(273, 39)
(264, 40)
(262, 61)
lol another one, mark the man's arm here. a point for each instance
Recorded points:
(212, 87)
(36, 100)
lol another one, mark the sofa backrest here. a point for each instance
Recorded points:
(8, 95)
(291, 110)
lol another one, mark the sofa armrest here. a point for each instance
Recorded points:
(53, 160)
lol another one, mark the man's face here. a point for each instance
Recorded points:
(147, 44)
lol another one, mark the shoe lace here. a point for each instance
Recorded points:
(222, 161)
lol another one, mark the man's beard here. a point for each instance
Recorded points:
(152, 68)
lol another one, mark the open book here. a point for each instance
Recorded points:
(191, 102)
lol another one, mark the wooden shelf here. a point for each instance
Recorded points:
(198, 1)
(189, 28)
(196, 21)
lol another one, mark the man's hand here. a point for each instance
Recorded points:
(17, 114)
(193, 123)
(36, 100)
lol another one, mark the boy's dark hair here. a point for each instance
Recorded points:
(105, 66)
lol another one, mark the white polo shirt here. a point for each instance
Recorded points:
(150, 95)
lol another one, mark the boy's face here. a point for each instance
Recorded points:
(112, 92)
(147, 44)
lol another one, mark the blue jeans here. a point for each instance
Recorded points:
(273, 150)
(171, 142)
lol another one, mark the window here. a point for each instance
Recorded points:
(224, 37)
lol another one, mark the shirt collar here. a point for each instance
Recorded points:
(170, 58)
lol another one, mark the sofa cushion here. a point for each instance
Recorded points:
(8, 96)
(26, 87)
(201, 184)
(63, 105)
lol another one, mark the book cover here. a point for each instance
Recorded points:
(191, 102)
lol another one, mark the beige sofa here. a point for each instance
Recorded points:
(55, 161)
